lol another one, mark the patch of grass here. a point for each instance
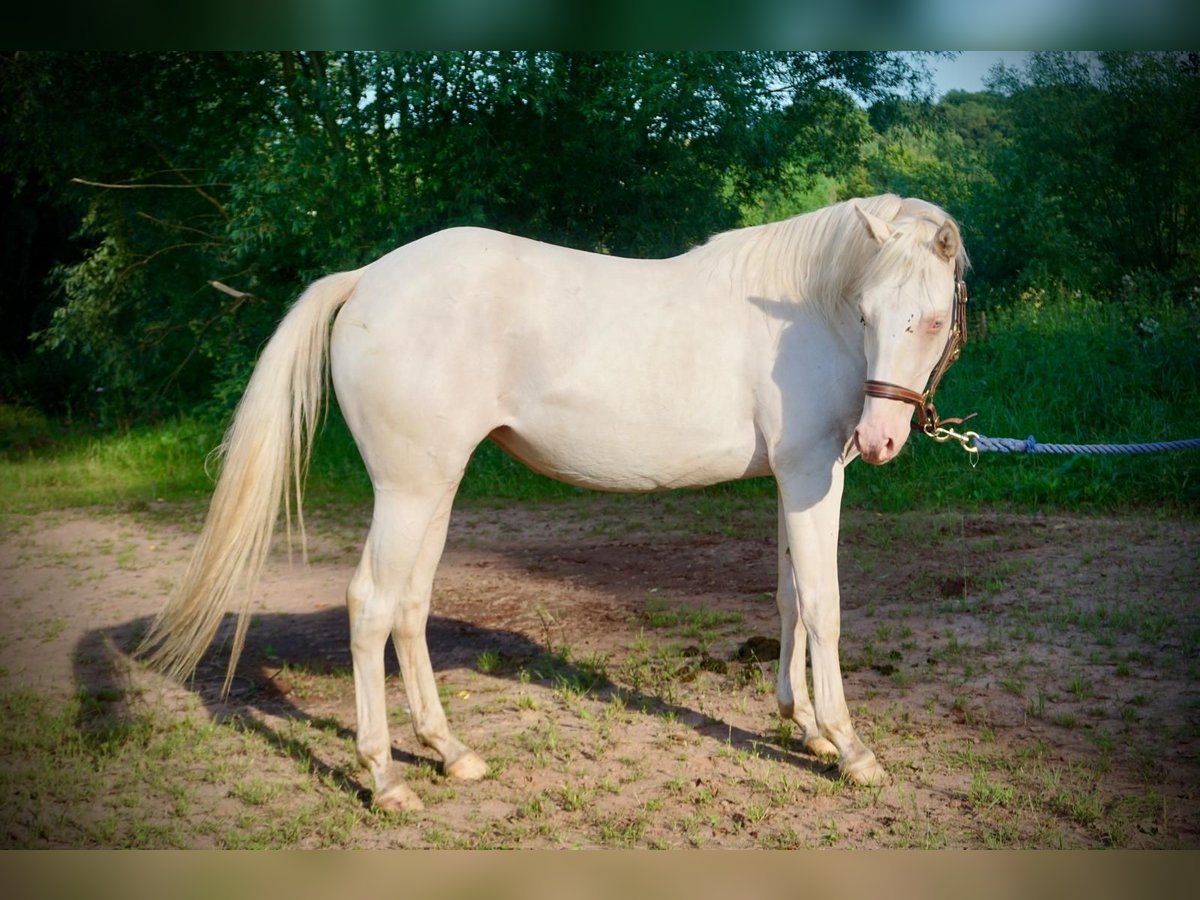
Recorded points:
(622, 830)
(986, 793)
(60, 466)
(93, 771)
(256, 791)
(1072, 796)
(1128, 815)
(1081, 688)
(830, 833)
(574, 797)
(1035, 707)
(1013, 685)
(698, 624)
(49, 629)
(544, 744)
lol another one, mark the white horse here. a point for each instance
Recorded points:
(746, 356)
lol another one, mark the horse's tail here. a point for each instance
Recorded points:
(266, 452)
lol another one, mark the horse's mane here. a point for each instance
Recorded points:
(828, 255)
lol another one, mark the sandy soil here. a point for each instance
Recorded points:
(1065, 640)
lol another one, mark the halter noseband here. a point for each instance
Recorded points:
(926, 418)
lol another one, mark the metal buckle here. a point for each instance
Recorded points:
(942, 435)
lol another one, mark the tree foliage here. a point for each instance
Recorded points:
(1103, 159)
(1079, 168)
(261, 171)
(133, 147)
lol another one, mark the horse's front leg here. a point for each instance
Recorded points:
(811, 511)
(791, 688)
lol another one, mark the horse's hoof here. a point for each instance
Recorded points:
(468, 767)
(865, 771)
(821, 747)
(398, 798)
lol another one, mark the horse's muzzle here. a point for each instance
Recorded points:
(882, 431)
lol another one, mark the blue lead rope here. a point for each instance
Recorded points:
(984, 444)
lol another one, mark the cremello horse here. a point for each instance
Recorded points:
(745, 356)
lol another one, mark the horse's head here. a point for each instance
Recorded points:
(906, 306)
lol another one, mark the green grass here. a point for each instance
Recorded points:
(83, 772)
(1067, 369)
(105, 769)
(47, 465)
(693, 623)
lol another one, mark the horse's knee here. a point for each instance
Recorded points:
(369, 629)
(409, 622)
(823, 629)
(367, 635)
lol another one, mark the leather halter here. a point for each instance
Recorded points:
(926, 418)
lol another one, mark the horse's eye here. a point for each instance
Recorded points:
(936, 324)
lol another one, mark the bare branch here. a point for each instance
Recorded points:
(186, 187)
(234, 292)
(182, 173)
(177, 226)
(148, 258)
(240, 296)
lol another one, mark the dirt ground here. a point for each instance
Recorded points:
(1026, 680)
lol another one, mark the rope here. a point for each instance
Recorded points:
(984, 444)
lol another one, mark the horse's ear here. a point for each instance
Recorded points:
(879, 229)
(946, 243)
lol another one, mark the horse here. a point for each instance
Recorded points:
(745, 356)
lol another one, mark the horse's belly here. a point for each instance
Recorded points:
(653, 460)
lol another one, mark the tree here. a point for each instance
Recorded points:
(942, 152)
(130, 148)
(1099, 177)
(261, 171)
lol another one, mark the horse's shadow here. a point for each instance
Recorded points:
(106, 677)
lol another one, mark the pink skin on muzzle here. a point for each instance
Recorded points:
(882, 430)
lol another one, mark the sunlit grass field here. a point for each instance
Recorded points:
(1065, 369)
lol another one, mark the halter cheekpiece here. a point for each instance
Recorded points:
(926, 417)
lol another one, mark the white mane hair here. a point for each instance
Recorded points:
(828, 256)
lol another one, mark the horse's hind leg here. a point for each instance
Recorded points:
(390, 594)
(408, 635)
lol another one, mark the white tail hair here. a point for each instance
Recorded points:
(266, 452)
